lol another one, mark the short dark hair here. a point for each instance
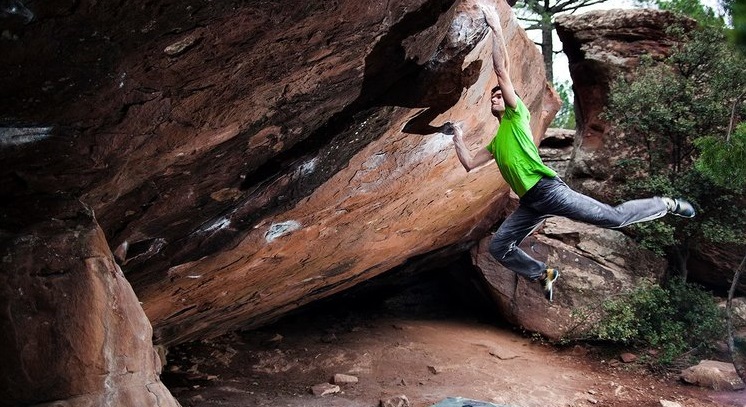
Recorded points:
(496, 88)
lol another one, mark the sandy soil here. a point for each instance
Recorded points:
(423, 342)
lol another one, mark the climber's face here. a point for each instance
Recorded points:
(498, 103)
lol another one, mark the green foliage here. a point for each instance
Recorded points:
(693, 9)
(673, 319)
(565, 118)
(722, 159)
(738, 12)
(676, 115)
(655, 236)
(734, 15)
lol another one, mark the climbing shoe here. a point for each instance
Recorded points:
(547, 282)
(681, 208)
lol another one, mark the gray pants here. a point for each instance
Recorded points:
(552, 197)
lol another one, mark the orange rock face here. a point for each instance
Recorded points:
(71, 328)
(243, 162)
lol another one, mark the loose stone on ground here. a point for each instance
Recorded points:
(324, 389)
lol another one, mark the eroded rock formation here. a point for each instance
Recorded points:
(600, 46)
(245, 159)
(71, 329)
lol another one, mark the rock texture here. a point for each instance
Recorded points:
(600, 46)
(245, 159)
(71, 329)
(595, 265)
(713, 374)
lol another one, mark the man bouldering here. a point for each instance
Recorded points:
(542, 193)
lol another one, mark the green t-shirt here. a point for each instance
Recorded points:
(515, 152)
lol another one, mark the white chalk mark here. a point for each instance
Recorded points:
(221, 223)
(281, 229)
(14, 136)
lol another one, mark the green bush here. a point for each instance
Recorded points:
(683, 123)
(722, 159)
(672, 319)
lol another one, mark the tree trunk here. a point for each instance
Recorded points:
(737, 360)
(547, 47)
(680, 259)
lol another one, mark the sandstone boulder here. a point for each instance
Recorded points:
(71, 329)
(600, 46)
(713, 374)
(595, 263)
(246, 159)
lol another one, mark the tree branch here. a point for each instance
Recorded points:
(733, 115)
(530, 20)
(533, 27)
(573, 5)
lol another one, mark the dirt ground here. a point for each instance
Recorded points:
(424, 342)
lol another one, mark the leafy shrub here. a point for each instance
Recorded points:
(722, 159)
(683, 123)
(672, 319)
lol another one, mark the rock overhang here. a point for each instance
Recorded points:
(245, 162)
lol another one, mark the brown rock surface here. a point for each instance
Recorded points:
(71, 328)
(244, 160)
(594, 267)
(713, 374)
(600, 46)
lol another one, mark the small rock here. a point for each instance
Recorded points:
(275, 339)
(578, 350)
(340, 378)
(628, 357)
(434, 370)
(396, 401)
(324, 388)
(666, 403)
